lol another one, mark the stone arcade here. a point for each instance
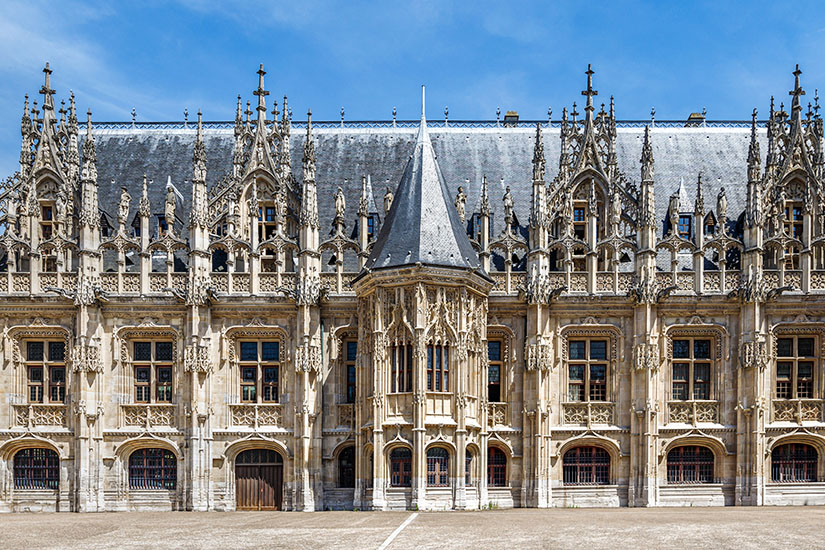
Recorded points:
(220, 316)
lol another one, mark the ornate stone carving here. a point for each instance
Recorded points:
(646, 356)
(86, 356)
(753, 355)
(196, 358)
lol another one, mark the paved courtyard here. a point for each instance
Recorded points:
(512, 529)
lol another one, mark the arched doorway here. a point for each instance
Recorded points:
(259, 480)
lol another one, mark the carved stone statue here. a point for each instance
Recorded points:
(340, 204)
(673, 211)
(13, 208)
(388, 196)
(508, 206)
(722, 207)
(461, 204)
(169, 208)
(123, 207)
(60, 207)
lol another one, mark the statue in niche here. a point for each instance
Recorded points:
(60, 208)
(461, 204)
(616, 210)
(388, 197)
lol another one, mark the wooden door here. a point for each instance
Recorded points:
(258, 480)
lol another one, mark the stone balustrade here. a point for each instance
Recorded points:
(693, 412)
(34, 415)
(588, 413)
(797, 410)
(149, 415)
(255, 415)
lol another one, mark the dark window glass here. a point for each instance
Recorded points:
(578, 214)
(35, 374)
(142, 374)
(57, 351)
(352, 351)
(152, 469)
(34, 351)
(163, 351)
(249, 351)
(494, 351)
(794, 463)
(143, 351)
(271, 375)
(681, 349)
(784, 347)
(691, 464)
(586, 466)
(805, 347)
(577, 372)
(598, 349)
(248, 374)
(36, 468)
(346, 468)
(493, 374)
(701, 349)
(577, 350)
(270, 351)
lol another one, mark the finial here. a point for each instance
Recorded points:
(200, 124)
(816, 102)
(423, 101)
(589, 92)
(498, 114)
(89, 124)
(46, 90)
(446, 114)
(134, 114)
(549, 117)
(612, 108)
(71, 104)
(309, 120)
(394, 112)
(652, 117)
(185, 117)
(342, 116)
(26, 105)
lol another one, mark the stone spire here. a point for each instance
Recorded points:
(537, 213)
(485, 197)
(648, 206)
(261, 93)
(796, 94)
(309, 200)
(753, 214)
(699, 205)
(198, 214)
(27, 141)
(422, 226)
(89, 215)
(72, 154)
(48, 97)
(284, 148)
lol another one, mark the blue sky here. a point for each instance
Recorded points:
(474, 56)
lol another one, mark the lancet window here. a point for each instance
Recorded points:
(494, 370)
(351, 354)
(401, 368)
(438, 367)
(400, 467)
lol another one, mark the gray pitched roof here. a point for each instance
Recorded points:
(422, 225)
(465, 155)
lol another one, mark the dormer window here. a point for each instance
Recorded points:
(371, 226)
(163, 227)
(793, 219)
(710, 225)
(266, 222)
(47, 222)
(684, 226)
(580, 221)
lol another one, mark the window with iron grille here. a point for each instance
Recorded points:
(796, 361)
(46, 370)
(400, 467)
(36, 468)
(794, 463)
(438, 368)
(494, 371)
(468, 467)
(153, 469)
(438, 467)
(260, 371)
(346, 468)
(496, 467)
(692, 366)
(152, 365)
(351, 350)
(690, 464)
(586, 466)
(587, 370)
(401, 368)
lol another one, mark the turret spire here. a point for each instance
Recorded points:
(648, 210)
(309, 200)
(89, 214)
(589, 93)
(796, 93)
(198, 214)
(261, 93)
(699, 205)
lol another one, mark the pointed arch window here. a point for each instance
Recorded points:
(401, 368)
(496, 467)
(438, 368)
(794, 463)
(438, 467)
(690, 464)
(400, 467)
(586, 466)
(36, 468)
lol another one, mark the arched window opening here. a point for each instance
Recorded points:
(153, 469)
(346, 468)
(494, 370)
(400, 467)
(496, 467)
(586, 466)
(690, 464)
(438, 467)
(36, 468)
(794, 463)
(468, 467)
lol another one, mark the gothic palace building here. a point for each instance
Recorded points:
(270, 315)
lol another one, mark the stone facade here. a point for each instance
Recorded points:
(603, 342)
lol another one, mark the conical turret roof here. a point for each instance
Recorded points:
(422, 225)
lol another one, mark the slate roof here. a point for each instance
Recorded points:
(464, 155)
(422, 225)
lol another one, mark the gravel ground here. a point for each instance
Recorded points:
(557, 528)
